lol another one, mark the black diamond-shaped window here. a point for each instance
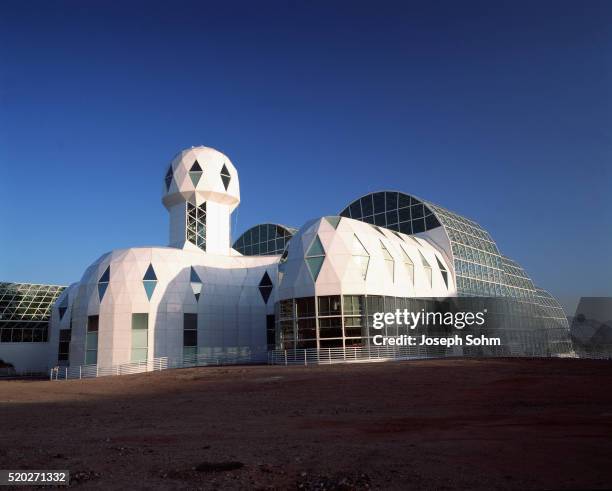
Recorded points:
(265, 287)
(195, 173)
(225, 176)
(168, 178)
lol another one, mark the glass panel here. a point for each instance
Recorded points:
(91, 341)
(329, 305)
(92, 323)
(91, 357)
(140, 321)
(314, 265)
(316, 248)
(139, 354)
(140, 338)
(305, 306)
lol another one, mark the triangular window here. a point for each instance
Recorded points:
(283, 258)
(409, 265)
(63, 307)
(196, 283)
(443, 271)
(427, 269)
(361, 257)
(333, 221)
(103, 283)
(388, 260)
(316, 248)
(379, 230)
(168, 178)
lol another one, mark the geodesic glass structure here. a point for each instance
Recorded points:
(481, 270)
(25, 310)
(264, 239)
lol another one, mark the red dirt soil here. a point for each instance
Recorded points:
(435, 424)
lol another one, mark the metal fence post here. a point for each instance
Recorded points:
(80, 371)
(285, 357)
(305, 360)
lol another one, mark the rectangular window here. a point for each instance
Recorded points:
(329, 305)
(91, 340)
(286, 309)
(331, 343)
(140, 337)
(287, 337)
(354, 327)
(354, 304)
(190, 334)
(63, 353)
(305, 307)
(330, 327)
(271, 331)
(306, 329)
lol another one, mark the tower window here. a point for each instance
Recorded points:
(196, 225)
(168, 178)
(195, 173)
(225, 176)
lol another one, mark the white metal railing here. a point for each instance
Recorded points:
(231, 356)
(312, 356)
(92, 371)
(327, 356)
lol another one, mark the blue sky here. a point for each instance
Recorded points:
(501, 111)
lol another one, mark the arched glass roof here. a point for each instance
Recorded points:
(393, 210)
(480, 268)
(264, 239)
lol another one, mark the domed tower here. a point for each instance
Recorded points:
(201, 190)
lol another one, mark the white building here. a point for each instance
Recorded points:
(312, 288)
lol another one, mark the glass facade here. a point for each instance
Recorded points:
(347, 321)
(25, 310)
(337, 321)
(264, 239)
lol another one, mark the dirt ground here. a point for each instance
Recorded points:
(436, 424)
